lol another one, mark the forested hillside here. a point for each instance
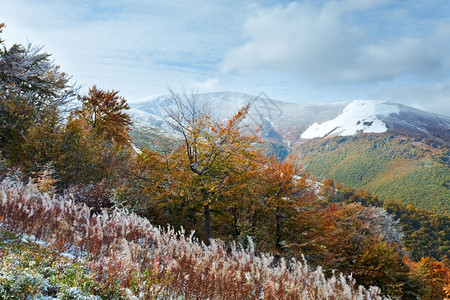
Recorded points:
(408, 169)
(241, 223)
(424, 233)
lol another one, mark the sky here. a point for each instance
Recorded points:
(299, 51)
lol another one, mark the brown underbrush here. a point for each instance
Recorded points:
(149, 262)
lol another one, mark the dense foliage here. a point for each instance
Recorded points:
(388, 166)
(32, 93)
(425, 234)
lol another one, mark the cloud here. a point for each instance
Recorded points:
(339, 41)
(431, 97)
(209, 85)
(142, 47)
(128, 45)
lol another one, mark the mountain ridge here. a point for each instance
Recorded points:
(296, 121)
(392, 150)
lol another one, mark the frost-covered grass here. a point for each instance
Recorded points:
(29, 269)
(128, 255)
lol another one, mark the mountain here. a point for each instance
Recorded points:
(293, 122)
(412, 170)
(284, 120)
(392, 150)
(370, 116)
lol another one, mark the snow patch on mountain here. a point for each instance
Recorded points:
(358, 115)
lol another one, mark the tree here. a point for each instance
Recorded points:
(42, 146)
(197, 172)
(1, 30)
(31, 87)
(285, 195)
(96, 142)
(104, 112)
(436, 275)
(382, 266)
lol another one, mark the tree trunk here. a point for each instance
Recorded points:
(278, 231)
(207, 213)
(236, 230)
(207, 224)
(252, 218)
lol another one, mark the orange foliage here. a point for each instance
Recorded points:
(436, 275)
(104, 113)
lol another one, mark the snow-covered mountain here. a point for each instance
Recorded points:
(290, 123)
(389, 149)
(358, 115)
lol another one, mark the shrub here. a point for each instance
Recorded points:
(127, 251)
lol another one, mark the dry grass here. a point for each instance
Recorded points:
(153, 263)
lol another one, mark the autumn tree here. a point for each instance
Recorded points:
(31, 86)
(196, 173)
(104, 112)
(238, 205)
(366, 242)
(436, 275)
(96, 142)
(1, 30)
(42, 147)
(33, 94)
(285, 195)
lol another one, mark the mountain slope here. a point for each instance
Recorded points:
(392, 150)
(398, 168)
(358, 115)
(285, 121)
(371, 116)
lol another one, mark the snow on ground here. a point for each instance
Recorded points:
(358, 115)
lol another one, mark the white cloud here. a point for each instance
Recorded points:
(332, 43)
(142, 47)
(137, 47)
(209, 85)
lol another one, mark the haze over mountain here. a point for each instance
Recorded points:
(293, 122)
